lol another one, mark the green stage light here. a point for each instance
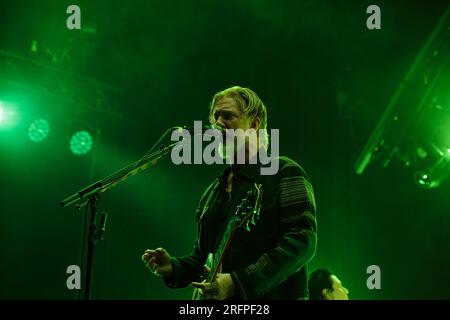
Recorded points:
(423, 180)
(81, 143)
(8, 115)
(38, 130)
(434, 173)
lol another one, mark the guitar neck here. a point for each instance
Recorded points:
(222, 251)
(244, 215)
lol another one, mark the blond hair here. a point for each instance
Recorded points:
(248, 102)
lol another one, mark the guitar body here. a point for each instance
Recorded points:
(246, 214)
(207, 276)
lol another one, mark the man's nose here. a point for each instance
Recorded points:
(346, 290)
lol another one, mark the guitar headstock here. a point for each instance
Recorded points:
(247, 212)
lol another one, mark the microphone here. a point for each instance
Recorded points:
(202, 129)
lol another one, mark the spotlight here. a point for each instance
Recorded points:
(8, 115)
(435, 171)
(81, 143)
(422, 179)
(38, 130)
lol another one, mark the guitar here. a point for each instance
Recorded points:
(246, 215)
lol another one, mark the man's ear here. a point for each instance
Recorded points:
(256, 123)
(326, 294)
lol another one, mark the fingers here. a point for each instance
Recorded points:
(199, 285)
(148, 254)
(206, 289)
(200, 290)
(151, 262)
(157, 260)
(206, 269)
(149, 258)
(160, 251)
(154, 268)
(152, 253)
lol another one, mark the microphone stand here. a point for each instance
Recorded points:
(92, 194)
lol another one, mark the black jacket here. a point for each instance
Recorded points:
(270, 261)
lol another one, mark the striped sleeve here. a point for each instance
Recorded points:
(297, 242)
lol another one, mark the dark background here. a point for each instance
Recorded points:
(325, 79)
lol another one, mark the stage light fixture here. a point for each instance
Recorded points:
(38, 130)
(81, 143)
(436, 169)
(8, 115)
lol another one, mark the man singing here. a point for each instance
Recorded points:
(270, 260)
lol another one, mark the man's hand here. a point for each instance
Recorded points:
(221, 288)
(158, 261)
